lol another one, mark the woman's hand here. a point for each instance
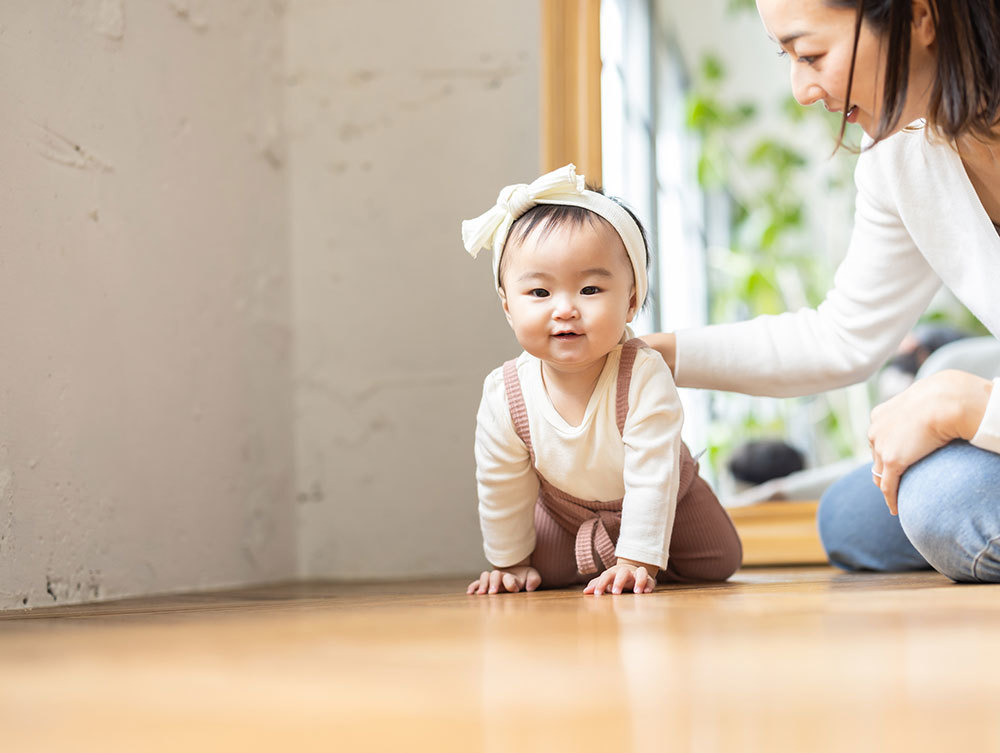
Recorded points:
(923, 417)
(638, 576)
(506, 579)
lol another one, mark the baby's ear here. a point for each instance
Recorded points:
(632, 306)
(506, 308)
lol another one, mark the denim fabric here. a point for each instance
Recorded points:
(949, 518)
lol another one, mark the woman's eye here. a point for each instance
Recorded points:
(807, 59)
(590, 290)
(538, 293)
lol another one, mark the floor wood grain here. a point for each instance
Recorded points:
(790, 659)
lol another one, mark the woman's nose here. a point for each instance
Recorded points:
(804, 88)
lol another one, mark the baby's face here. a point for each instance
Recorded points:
(569, 293)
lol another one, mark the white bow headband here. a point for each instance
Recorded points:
(564, 187)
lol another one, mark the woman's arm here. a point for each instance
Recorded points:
(882, 287)
(665, 344)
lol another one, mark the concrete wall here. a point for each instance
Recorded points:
(404, 118)
(186, 184)
(145, 400)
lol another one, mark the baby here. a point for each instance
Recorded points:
(581, 471)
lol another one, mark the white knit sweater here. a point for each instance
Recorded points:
(918, 223)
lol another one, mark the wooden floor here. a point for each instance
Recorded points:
(797, 659)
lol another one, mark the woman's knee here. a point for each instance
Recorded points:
(949, 508)
(858, 533)
(834, 529)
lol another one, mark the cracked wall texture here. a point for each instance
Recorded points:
(145, 393)
(241, 340)
(403, 119)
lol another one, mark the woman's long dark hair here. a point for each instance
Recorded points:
(965, 97)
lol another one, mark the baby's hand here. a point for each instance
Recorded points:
(638, 576)
(510, 579)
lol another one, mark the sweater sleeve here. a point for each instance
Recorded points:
(652, 437)
(879, 292)
(507, 484)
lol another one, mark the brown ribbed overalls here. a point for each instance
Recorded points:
(575, 538)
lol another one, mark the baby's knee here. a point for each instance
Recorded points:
(713, 564)
(730, 557)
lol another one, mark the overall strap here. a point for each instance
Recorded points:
(515, 403)
(625, 364)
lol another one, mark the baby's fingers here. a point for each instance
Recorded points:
(511, 583)
(599, 584)
(623, 580)
(480, 586)
(496, 580)
(533, 581)
(643, 583)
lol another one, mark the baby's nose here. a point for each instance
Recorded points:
(564, 308)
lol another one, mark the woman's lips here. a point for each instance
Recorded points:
(852, 114)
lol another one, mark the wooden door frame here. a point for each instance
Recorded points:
(571, 86)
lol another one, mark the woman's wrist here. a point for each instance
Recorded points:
(966, 397)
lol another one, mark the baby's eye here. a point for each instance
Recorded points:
(590, 290)
(538, 293)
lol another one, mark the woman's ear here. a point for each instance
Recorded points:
(924, 31)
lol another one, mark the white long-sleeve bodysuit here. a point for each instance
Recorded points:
(591, 461)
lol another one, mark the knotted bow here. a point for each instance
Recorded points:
(489, 230)
(563, 186)
(592, 536)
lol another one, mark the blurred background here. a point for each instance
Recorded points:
(241, 340)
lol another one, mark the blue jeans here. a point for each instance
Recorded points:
(949, 518)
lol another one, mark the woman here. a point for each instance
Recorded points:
(928, 209)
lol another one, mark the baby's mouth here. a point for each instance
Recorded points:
(567, 335)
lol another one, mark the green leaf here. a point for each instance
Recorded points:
(703, 114)
(743, 113)
(712, 68)
(738, 6)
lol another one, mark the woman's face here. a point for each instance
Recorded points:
(819, 39)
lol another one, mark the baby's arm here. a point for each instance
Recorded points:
(651, 474)
(507, 487)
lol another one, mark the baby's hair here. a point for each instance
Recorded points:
(544, 218)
